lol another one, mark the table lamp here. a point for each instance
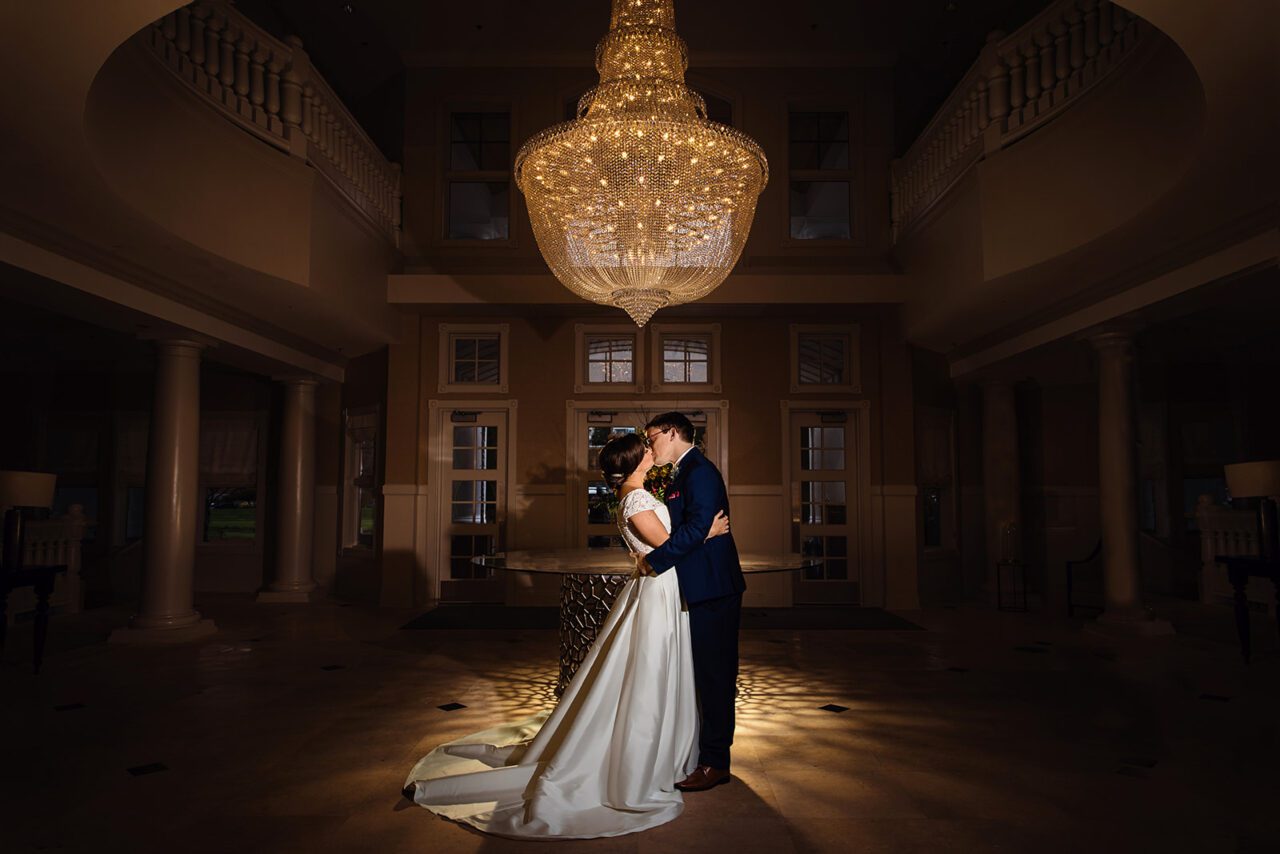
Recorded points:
(18, 491)
(1259, 480)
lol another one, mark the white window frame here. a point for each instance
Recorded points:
(852, 356)
(583, 331)
(657, 386)
(447, 333)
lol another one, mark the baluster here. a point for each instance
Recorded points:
(199, 15)
(1017, 82)
(294, 110)
(1061, 53)
(169, 26)
(213, 45)
(1031, 54)
(325, 129)
(1119, 23)
(998, 93)
(227, 72)
(1075, 24)
(242, 66)
(1044, 39)
(273, 85)
(308, 113)
(1106, 31)
(184, 31)
(257, 77)
(1090, 28)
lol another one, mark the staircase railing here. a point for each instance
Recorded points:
(269, 88)
(1019, 82)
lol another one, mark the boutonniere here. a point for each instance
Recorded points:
(673, 495)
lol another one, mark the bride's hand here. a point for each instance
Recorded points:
(719, 525)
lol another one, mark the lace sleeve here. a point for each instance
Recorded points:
(637, 502)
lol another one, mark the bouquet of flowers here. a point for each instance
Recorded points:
(658, 478)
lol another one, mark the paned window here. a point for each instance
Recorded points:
(686, 357)
(821, 180)
(609, 357)
(825, 358)
(473, 358)
(478, 176)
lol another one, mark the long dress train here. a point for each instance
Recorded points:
(605, 761)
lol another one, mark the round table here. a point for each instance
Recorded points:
(589, 582)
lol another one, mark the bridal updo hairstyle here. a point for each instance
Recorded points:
(620, 456)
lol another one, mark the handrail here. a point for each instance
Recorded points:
(1018, 83)
(270, 89)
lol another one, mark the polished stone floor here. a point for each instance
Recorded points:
(294, 727)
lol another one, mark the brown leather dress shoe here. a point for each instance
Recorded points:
(703, 777)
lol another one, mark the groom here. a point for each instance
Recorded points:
(711, 582)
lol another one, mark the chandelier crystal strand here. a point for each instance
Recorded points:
(641, 202)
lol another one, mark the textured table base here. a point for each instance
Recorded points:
(585, 601)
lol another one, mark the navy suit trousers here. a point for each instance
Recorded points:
(713, 629)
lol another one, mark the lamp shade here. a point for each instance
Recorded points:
(26, 489)
(1254, 480)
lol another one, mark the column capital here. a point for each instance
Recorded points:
(295, 380)
(178, 343)
(1111, 339)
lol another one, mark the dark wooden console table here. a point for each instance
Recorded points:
(41, 578)
(1240, 568)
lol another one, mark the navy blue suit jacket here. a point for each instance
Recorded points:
(707, 569)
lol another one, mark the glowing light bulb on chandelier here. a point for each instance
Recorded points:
(635, 128)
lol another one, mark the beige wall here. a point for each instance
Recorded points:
(755, 354)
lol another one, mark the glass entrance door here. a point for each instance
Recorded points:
(824, 506)
(475, 506)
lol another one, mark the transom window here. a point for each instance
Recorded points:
(822, 358)
(686, 358)
(825, 358)
(473, 358)
(611, 359)
(686, 355)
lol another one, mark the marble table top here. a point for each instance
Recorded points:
(617, 562)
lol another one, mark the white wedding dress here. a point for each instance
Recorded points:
(605, 761)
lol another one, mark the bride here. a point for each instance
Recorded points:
(605, 761)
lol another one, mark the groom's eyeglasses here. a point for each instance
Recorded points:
(648, 440)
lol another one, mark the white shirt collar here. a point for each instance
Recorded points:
(682, 456)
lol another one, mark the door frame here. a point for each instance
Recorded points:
(575, 486)
(870, 580)
(439, 410)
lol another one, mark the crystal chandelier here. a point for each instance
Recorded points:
(641, 202)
